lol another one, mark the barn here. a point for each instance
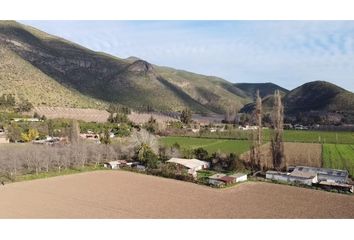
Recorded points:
(193, 165)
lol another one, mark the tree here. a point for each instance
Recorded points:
(24, 106)
(186, 116)
(201, 153)
(74, 135)
(36, 115)
(14, 132)
(50, 126)
(230, 113)
(138, 138)
(255, 151)
(259, 137)
(146, 155)
(152, 126)
(105, 138)
(31, 135)
(277, 145)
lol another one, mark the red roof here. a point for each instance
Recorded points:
(227, 179)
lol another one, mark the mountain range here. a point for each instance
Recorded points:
(50, 71)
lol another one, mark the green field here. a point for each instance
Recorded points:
(309, 136)
(211, 145)
(317, 136)
(339, 156)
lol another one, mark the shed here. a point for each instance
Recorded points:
(228, 180)
(193, 165)
(114, 164)
(215, 179)
(239, 177)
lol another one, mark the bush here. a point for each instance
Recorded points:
(201, 153)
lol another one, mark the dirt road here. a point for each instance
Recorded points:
(118, 194)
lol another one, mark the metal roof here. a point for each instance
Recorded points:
(189, 163)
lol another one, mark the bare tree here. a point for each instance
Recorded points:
(277, 145)
(74, 135)
(141, 137)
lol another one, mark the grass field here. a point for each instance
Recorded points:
(307, 136)
(339, 156)
(317, 136)
(211, 145)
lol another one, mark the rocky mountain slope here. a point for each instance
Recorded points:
(47, 70)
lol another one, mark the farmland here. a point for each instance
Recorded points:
(307, 154)
(339, 156)
(317, 136)
(94, 115)
(211, 145)
(307, 136)
(120, 194)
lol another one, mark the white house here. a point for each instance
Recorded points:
(193, 165)
(114, 164)
(240, 177)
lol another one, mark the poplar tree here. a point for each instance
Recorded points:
(277, 145)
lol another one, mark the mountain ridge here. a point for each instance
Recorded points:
(103, 78)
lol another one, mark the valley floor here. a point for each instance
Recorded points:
(119, 194)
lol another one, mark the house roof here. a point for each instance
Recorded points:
(303, 174)
(237, 175)
(227, 179)
(188, 163)
(217, 176)
(322, 171)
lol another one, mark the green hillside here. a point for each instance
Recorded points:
(319, 96)
(265, 89)
(66, 74)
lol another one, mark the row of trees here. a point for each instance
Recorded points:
(257, 161)
(34, 159)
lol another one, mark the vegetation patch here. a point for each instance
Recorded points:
(211, 145)
(339, 156)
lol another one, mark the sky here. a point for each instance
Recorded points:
(288, 53)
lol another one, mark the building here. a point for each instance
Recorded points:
(300, 178)
(26, 120)
(324, 174)
(115, 164)
(215, 180)
(239, 177)
(193, 165)
(221, 179)
(3, 138)
(323, 177)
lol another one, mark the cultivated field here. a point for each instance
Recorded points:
(316, 136)
(94, 115)
(118, 194)
(307, 154)
(339, 156)
(88, 115)
(211, 145)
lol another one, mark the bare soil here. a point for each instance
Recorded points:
(119, 194)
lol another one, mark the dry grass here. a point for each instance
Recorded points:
(307, 154)
(118, 194)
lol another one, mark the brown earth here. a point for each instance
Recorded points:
(119, 194)
(95, 115)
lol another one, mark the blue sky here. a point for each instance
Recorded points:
(288, 53)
